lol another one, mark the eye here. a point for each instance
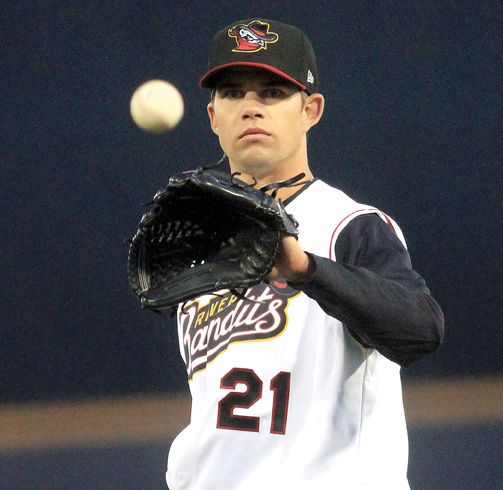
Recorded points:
(232, 93)
(274, 93)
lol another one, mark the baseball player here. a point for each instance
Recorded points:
(297, 385)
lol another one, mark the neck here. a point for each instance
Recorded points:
(284, 192)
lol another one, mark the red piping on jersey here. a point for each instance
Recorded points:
(344, 219)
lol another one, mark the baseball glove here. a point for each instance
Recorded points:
(206, 231)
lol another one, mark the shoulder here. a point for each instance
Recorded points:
(371, 241)
(357, 218)
(319, 193)
(325, 211)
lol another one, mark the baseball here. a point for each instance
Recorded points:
(157, 106)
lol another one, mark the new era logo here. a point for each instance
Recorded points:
(310, 77)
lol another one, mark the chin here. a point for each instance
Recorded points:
(251, 161)
(258, 168)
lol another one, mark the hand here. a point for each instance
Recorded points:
(293, 263)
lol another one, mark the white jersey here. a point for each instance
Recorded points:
(283, 396)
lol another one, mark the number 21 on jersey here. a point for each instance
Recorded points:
(280, 385)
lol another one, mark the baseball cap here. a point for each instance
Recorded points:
(280, 48)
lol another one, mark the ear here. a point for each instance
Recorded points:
(211, 114)
(312, 110)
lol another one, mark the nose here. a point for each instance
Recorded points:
(252, 106)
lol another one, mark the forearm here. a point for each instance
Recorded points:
(400, 320)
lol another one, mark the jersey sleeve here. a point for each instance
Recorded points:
(373, 290)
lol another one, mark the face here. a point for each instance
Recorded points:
(260, 120)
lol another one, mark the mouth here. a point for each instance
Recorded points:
(251, 132)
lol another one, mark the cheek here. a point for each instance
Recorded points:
(292, 126)
(224, 137)
(217, 117)
(222, 125)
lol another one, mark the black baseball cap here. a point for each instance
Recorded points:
(280, 48)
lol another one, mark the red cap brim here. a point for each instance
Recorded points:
(207, 80)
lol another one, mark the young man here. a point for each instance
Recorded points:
(299, 387)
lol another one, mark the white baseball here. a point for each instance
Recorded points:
(157, 106)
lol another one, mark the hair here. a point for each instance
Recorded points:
(304, 95)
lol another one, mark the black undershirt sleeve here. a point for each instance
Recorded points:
(373, 290)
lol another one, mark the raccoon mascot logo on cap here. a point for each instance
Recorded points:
(252, 37)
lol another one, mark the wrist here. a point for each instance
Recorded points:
(304, 271)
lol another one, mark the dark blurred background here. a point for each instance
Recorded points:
(413, 125)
